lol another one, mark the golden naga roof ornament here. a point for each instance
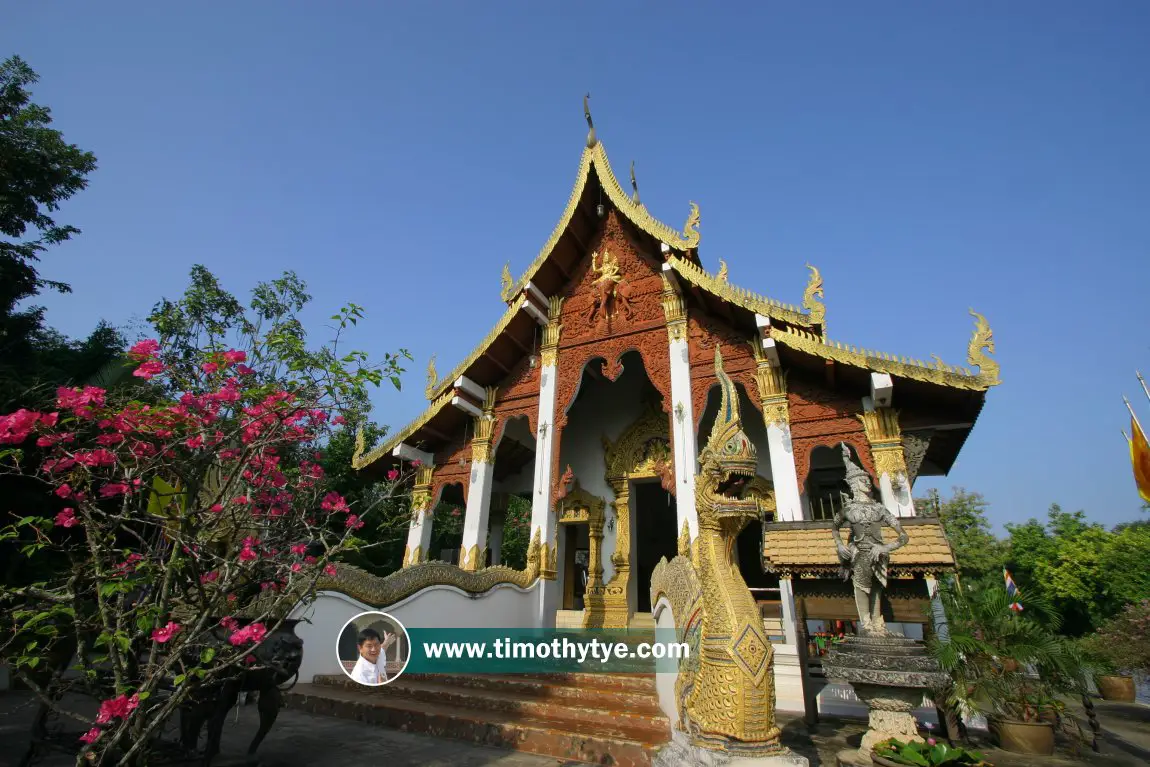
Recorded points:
(722, 275)
(814, 290)
(634, 186)
(591, 140)
(360, 445)
(432, 378)
(691, 228)
(981, 339)
(507, 283)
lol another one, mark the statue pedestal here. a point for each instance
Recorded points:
(889, 674)
(680, 752)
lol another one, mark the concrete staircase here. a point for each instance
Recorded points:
(606, 719)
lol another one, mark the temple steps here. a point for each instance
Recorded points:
(599, 718)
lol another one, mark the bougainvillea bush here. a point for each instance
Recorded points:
(1122, 643)
(192, 511)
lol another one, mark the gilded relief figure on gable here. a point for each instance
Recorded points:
(610, 290)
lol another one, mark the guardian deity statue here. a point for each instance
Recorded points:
(866, 555)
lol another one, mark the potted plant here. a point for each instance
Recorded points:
(1010, 666)
(1121, 646)
(932, 753)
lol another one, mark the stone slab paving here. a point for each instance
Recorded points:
(304, 740)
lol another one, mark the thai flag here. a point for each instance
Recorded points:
(1012, 591)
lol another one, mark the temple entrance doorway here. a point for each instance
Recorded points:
(654, 535)
(576, 548)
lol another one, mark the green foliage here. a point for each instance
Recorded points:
(977, 551)
(1088, 572)
(516, 532)
(1005, 664)
(1122, 644)
(38, 171)
(928, 754)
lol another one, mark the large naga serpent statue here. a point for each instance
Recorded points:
(726, 688)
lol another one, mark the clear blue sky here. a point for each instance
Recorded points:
(928, 157)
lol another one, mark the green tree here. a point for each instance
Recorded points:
(38, 171)
(977, 551)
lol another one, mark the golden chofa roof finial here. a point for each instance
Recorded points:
(691, 228)
(591, 140)
(432, 378)
(507, 283)
(634, 186)
(981, 339)
(816, 310)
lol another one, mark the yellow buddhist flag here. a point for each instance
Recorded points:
(1140, 458)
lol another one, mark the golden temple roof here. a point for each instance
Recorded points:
(801, 328)
(810, 548)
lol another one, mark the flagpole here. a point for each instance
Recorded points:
(1132, 415)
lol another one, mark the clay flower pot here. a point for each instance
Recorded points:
(1119, 688)
(1024, 737)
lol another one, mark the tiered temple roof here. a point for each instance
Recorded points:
(800, 331)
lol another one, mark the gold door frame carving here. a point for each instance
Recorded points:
(642, 452)
(580, 507)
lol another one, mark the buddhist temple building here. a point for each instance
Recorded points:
(592, 398)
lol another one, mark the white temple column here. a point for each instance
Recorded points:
(683, 417)
(543, 524)
(885, 437)
(419, 532)
(787, 600)
(773, 396)
(471, 552)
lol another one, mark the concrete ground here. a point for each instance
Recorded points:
(302, 740)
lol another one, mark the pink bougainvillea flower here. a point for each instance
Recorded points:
(165, 634)
(254, 632)
(416, 464)
(64, 490)
(144, 349)
(91, 736)
(113, 438)
(209, 577)
(67, 518)
(16, 427)
(216, 508)
(298, 548)
(48, 420)
(393, 475)
(244, 370)
(229, 623)
(353, 522)
(234, 355)
(333, 502)
(248, 554)
(117, 708)
(296, 567)
(112, 489)
(149, 369)
(339, 420)
(195, 442)
(329, 571)
(250, 659)
(209, 367)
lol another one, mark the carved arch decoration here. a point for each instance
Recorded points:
(642, 451)
(580, 507)
(804, 447)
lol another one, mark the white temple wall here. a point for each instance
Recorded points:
(433, 607)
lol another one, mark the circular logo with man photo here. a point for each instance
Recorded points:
(373, 648)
